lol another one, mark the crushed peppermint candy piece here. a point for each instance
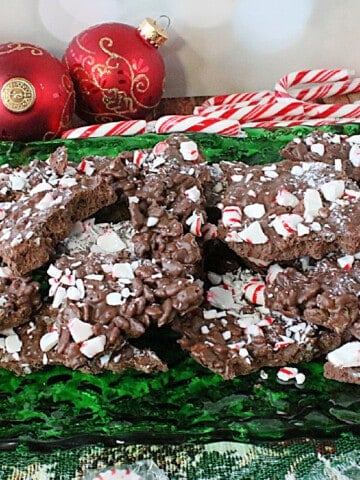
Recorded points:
(286, 224)
(253, 234)
(333, 190)
(283, 343)
(352, 194)
(354, 155)
(54, 272)
(73, 293)
(193, 194)
(13, 343)
(59, 296)
(254, 291)
(302, 229)
(253, 331)
(49, 340)
(285, 198)
(123, 271)
(114, 298)
(196, 222)
(160, 148)
(300, 378)
(287, 373)
(40, 187)
(297, 170)
(87, 167)
(110, 242)
(48, 201)
(220, 297)
(255, 210)
(338, 164)
(139, 157)
(189, 151)
(226, 335)
(152, 221)
(68, 279)
(17, 182)
(209, 231)
(79, 330)
(211, 314)
(346, 262)
(93, 346)
(231, 216)
(312, 204)
(318, 148)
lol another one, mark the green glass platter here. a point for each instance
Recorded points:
(57, 407)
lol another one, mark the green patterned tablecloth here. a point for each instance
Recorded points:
(305, 459)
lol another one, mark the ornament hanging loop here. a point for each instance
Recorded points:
(164, 22)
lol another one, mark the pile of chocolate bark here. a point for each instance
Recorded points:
(252, 266)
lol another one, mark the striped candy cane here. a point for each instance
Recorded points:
(237, 98)
(126, 127)
(196, 123)
(315, 122)
(310, 76)
(258, 112)
(326, 90)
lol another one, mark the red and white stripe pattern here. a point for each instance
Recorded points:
(208, 109)
(126, 127)
(197, 123)
(310, 77)
(310, 122)
(237, 98)
(292, 103)
(285, 108)
(326, 90)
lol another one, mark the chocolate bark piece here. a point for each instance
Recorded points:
(119, 296)
(342, 374)
(290, 209)
(19, 298)
(332, 148)
(45, 213)
(326, 293)
(343, 364)
(170, 176)
(33, 346)
(239, 345)
(234, 334)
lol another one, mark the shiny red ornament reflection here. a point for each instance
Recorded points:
(117, 73)
(36, 93)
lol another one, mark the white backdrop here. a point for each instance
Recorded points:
(214, 46)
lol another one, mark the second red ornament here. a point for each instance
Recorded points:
(117, 70)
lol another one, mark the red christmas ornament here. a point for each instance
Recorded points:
(36, 93)
(117, 70)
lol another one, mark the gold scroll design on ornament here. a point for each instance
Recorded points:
(66, 113)
(120, 102)
(16, 47)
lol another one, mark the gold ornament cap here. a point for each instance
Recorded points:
(18, 95)
(152, 32)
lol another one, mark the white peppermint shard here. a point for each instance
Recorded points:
(348, 355)
(253, 234)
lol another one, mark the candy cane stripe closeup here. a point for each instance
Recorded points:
(194, 123)
(126, 127)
